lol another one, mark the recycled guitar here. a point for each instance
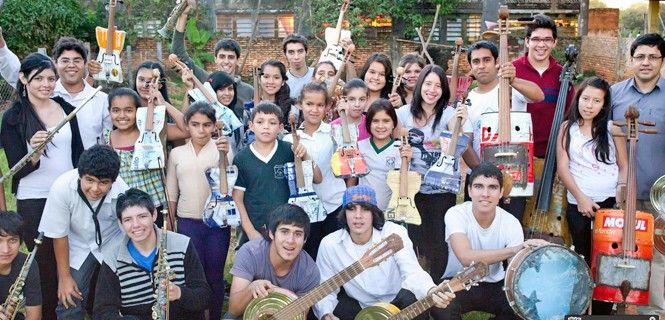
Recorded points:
(334, 51)
(506, 138)
(148, 150)
(220, 210)
(404, 185)
(110, 42)
(278, 306)
(348, 162)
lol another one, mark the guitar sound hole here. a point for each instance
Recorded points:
(517, 128)
(558, 218)
(615, 245)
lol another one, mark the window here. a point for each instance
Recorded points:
(268, 25)
(148, 29)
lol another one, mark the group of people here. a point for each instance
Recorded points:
(102, 219)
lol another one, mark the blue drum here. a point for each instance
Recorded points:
(548, 283)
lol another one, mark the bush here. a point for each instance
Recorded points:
(28, 25)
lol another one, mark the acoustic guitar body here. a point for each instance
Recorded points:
(403, 209)
(148, 149)
(610, 266)
(379, 311)
(348, 163)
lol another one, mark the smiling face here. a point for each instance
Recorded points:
(226, 61)
(271, 79)
(71, 67)
(431, 90)
(313, 107)
(590, 103)
(375, 78)
(95, 188)
(485, 193)
(540, 44)
(410, 76)
(144, 77)
(137, 222)
(41, 85)
(646, 63)
(287, 242)
(225, 95)
(123, 112)
(381, 126)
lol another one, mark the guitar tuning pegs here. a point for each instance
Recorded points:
(648, 131)
(647, 123)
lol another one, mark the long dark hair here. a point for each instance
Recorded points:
(416, 104)
(406, 60)
(282, 97)
(385, 61)
(599, 130)
(26, 110)
(377, 106)
(162, 80)
(219, 80)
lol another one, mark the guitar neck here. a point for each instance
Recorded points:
(335, 79)
(346, 135)
(302, 304)
(205, 92)
(504, 86)
(149, 117)
(628, 242)
(257, 88)
(419, 307)
(338, 26)
(111, 27)
(452, 146)
(454, 79)
(300, 176)
(223, 179)
(404, 177)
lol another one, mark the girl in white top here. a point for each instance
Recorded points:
(590, 163)
(381, 151)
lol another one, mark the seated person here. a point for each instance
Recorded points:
(399, 280)
(125, 286)
(277, 263)
(479, 230)
(11, 263)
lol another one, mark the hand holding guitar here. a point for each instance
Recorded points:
(405, 151)
(222, 144)
(261, 288)
(507, 71)
(94, 67)
(441, 299)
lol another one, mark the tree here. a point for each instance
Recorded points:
(631, 20)
(28, 25)
(597, 4)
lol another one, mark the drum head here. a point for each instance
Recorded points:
(264, 308)
(549, 283)
(379, 311)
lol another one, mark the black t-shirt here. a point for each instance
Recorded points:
(31, 291)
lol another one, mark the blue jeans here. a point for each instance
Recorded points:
(83, 278)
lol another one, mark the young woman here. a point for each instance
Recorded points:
(355, 95)
(188, 191)
(425, 118)
(275, 89)
(315, 135)
(24, 126)
(412, 64)
(324, 71)
(377, 72)
(381, 151)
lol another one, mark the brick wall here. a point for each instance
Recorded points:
(604, 22)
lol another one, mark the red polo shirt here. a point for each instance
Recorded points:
(542, 113)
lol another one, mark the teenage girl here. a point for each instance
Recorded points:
(355, 96)
(275, 89)
(413, 64)
(377, 73)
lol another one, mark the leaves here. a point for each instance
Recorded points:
(198, 40)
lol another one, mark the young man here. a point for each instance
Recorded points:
(399, 280)
(11, 262)
(70, 56)
(481, 231)
(485, 68)
(261, 185)
(80, 217)
(125, 283)
(299, 74)
(646, 91)
(227, 55)
(275, 263)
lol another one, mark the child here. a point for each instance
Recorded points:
(413, 64)
(315, 135)
(261, 184)
(377, 72)
(275, 89)
(426, 118)
(324, 72)
(188, 190)
(355, 95)
(382, 153)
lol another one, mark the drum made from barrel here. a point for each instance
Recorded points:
(547, 283)
(264, 308)
(379, 311)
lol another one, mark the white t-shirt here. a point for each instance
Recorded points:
(505, 231)
(489, 102)
(380, 162)
(426, 144)
(296, 83)
(37, 184)
(93, 118)
(596, 179)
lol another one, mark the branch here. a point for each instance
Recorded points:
(255, 20)
(424, 44)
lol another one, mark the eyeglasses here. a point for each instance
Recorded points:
(67, 61)
(547, 40)
(651, 58)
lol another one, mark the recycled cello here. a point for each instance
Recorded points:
(623, 239)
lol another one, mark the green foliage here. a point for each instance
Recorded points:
(408, 14)
(28, 25)
(198, 39)
(631, 20)
(597, 4)
(139, 11)
(583, 75)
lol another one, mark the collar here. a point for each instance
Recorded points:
(345, 237)
(660, 85)
(379, 150)
(267, 158)
(124, 255)
(61, 91)
(324, 128)
(208, 145)
(525, 60)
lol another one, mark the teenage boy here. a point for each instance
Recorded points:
(400, 279)
(275, 263)
(299, 74)
(261, 185)
(11, 262)
(487, 70)
(227, 56)
(479, 230)
(125, 285)
(646, 91)
(80, 217)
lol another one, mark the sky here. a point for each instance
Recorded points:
(622, 3)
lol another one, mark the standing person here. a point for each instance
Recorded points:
(383, 153)
(125, 284)
(188, 190)
(11, 263)
(227, 56)
(355, 96)
(299, 74)
(400, 279)
(80, 217)
(480, 231)
(275, 89)
(646, 91)
(413, 64)
(25, 126)
(425, 118)
(377, 72)
(315, 135)
(586, 151)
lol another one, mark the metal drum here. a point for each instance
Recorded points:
(379, 311)
(264, 308)
(657, 198)
(548, 283)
